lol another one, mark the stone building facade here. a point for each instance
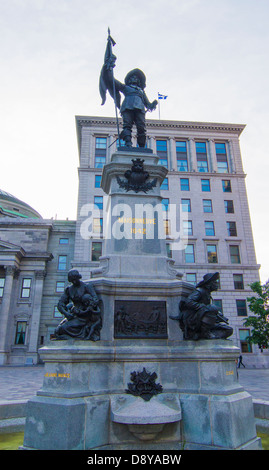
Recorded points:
(204, 190)
(35, 255)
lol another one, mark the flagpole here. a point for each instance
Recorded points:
(116, 110)
(160, 97)
(114, 87)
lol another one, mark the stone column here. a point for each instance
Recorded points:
(35, 321)
(5, 312)
(91, 151)
(213, 158)
(172, 154)
(85, 150)
(111, 146)
(153, 144)
(192, 154)
(229, 148)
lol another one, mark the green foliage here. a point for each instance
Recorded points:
(259, 305)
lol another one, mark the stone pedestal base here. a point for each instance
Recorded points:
(83, 403)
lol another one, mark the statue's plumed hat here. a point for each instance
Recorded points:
(140, 74)
(207, 279)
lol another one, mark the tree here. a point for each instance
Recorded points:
(259, 305)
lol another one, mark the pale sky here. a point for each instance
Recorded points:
(209, 56)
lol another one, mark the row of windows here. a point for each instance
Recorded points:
(206, 204)
(27, 282)
(181, 155)
(208, 226)
(189, 253)
(201, 155)
(190, 277)
(96, 252)
(187, 229)
(238, 280)
(212, 255)
(25, 287)
(60, 285)
(184, 184)
(185, 203)
(241, 306)
(205, 185)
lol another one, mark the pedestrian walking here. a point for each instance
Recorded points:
(240, 362)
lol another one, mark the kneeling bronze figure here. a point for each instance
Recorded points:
(200, 319)
(79, 305)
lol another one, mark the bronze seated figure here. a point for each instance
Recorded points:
(79, 305)
(200, 319)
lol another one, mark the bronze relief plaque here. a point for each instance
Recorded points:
(140, 319)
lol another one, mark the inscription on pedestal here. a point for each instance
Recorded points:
(140, 319)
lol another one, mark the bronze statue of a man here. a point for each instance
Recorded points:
(134, 106)
(198, 317)
(135, 103)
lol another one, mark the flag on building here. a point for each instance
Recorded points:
(162, 97)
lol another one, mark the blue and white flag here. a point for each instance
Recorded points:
(162, 97)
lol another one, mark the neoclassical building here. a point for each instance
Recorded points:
(206, 220)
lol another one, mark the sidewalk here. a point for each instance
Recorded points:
(255, 382)
(19, 382)
(22, 383)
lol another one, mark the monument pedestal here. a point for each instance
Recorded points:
(134, 235)
(141, 386)
(83, 403)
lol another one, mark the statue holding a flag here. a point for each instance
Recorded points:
(135, 103)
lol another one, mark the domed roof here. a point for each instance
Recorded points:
(11, 206)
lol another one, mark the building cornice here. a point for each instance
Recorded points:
(202, 126)
(156, 125)
(5, 222)
(92, 121)
(39, 256)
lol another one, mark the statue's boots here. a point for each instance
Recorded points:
(126, 135)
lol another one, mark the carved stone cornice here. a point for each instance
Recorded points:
(11, 270)
(40, 274)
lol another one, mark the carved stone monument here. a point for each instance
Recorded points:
(141, 385)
